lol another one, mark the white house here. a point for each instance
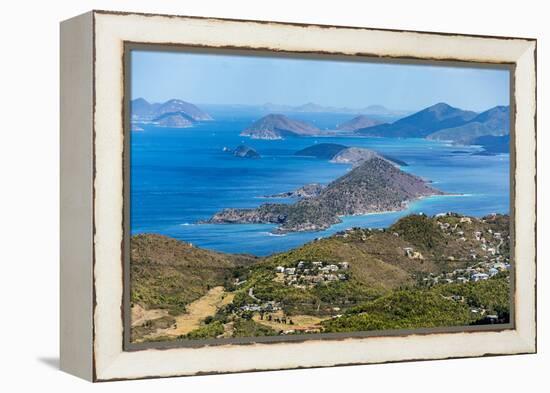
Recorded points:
(344, 265)
(480, 276)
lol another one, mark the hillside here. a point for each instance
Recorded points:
(356, 156)
(446, 270)
(275, 126)
(375, 185)
(340, 154)
(361, 121)
(307, 191)
(167, 273)
(421, 124)
(493, 122)
(174, 120)
(143, 110)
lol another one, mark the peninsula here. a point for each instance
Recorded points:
(376, 185)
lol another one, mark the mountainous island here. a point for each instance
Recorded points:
(446, 123)
(172, 113)
(244, 151)
(275, 126)
(310, 107)
(340, 154)
(494, 122)
(174, 120)
(361, 121)
(423, 123)
(375, 185)
(440, 271)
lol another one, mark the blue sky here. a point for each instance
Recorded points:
(221, 79)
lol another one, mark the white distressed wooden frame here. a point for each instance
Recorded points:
(92, 143)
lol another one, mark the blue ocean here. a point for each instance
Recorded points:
(182, 176)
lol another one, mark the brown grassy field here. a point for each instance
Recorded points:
(197, 311)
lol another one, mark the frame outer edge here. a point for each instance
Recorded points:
(115, 365)
(76, 196)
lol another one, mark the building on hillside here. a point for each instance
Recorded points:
(480, 276)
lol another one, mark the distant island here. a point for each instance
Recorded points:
(275, 126)
(340, 154)
(494, 122)
(310, 107)
(244, 151)
(173, 113)
(174, 120)
(423, 123)
(361, 121)
(441, 122)
(376, 185)
(445, 123)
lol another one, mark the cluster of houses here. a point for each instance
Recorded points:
(486, 255)
(479, 272)
(264, 307)
(307, 274)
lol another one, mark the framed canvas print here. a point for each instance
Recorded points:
(246, 195)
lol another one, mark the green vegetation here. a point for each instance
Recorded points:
(169, 274)
(248, 328)
(419, 273)
(419, 230)
(152, 325)
(212, 330)
(492, 295)
(425, 308)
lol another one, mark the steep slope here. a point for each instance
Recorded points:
(493, 122)
(276, 126)
(423, 123)
(168, 274)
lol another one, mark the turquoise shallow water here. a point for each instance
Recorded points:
(181, 176)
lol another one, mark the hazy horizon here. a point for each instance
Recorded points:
(216, 79)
